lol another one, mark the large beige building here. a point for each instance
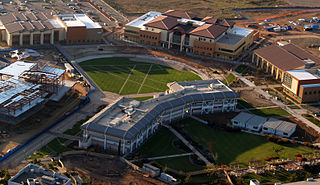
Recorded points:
(24, 29)
(184, 32)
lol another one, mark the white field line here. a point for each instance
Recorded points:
(127, 79)
(144, 79)
(124, 78)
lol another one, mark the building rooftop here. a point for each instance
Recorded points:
(17, 68)
(240, 31)
(126, 117)
(35, 173)
(250, 119)
(302, 74)
(312, 182)
(162, 22)
(279, 125)
(209, 31)
(287, 57)
(78, 20)
(230, 39)
(140, 21)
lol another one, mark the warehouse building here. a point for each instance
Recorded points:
(33, 174)
(303, 85)
(25, 29)
(124, 125)
(185, 32)
(276, 60)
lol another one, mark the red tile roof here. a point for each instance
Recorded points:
(179, 14)
(209, 31)
(162, 22)
(222, 22)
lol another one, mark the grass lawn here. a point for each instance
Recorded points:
(143, 98)
(270, 112)
(238, 146)
(123, 76)
(179, 163)
(55, 145)
(229, 79)
(244, 104)
(160, 144)
(201, 8)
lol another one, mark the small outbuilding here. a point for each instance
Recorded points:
(279, 127)
(248, 121)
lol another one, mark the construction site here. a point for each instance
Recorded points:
(34, 93)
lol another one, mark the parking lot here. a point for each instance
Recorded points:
(50, 8)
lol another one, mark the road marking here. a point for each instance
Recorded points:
(144, 79)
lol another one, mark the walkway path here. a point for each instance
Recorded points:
(195, 151)
(279, 103)
(164, 157)
(66, 136)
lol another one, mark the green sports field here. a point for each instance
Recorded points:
(123, 76)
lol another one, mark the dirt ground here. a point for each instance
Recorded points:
(309, 3)
(111, 171)
(255, 98)
(17, 134)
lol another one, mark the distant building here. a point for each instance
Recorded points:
(279, 127)
(25, 29)
(126, 124)
(254, 182)
(276, 60)
(183, 31)
(303, 85)
(33, 174)
(153, 171)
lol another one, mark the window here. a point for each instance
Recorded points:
(305, 93)
(285, 134)
(310, 92)
(255, 127)
(264, 128)
(235, 122)
(314, 92)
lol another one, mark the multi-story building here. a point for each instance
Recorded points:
(183, 31)
(276, 60)
(303, 85)
(34, 174)
(124, 125)
(23, 29)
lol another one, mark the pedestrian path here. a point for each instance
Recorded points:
(164, 157)
(195, 151)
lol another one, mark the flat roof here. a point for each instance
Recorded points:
(140, 21)
(56, 23)
(17, 68)
(126, 117)
(240, 31)
(302, 74)
(87, 21)
(230, 39)
(77, 20)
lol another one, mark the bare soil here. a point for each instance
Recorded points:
(106, 171)
(255, 98)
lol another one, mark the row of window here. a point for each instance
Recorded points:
(310, 92)
(204, 39)
(148, 37)
(205, 48)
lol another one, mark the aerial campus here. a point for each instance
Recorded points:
(171, 92)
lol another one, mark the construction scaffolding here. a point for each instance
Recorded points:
(50, 78)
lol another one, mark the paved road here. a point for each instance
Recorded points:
(111, 11)
(260, 87)
(195, 151)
